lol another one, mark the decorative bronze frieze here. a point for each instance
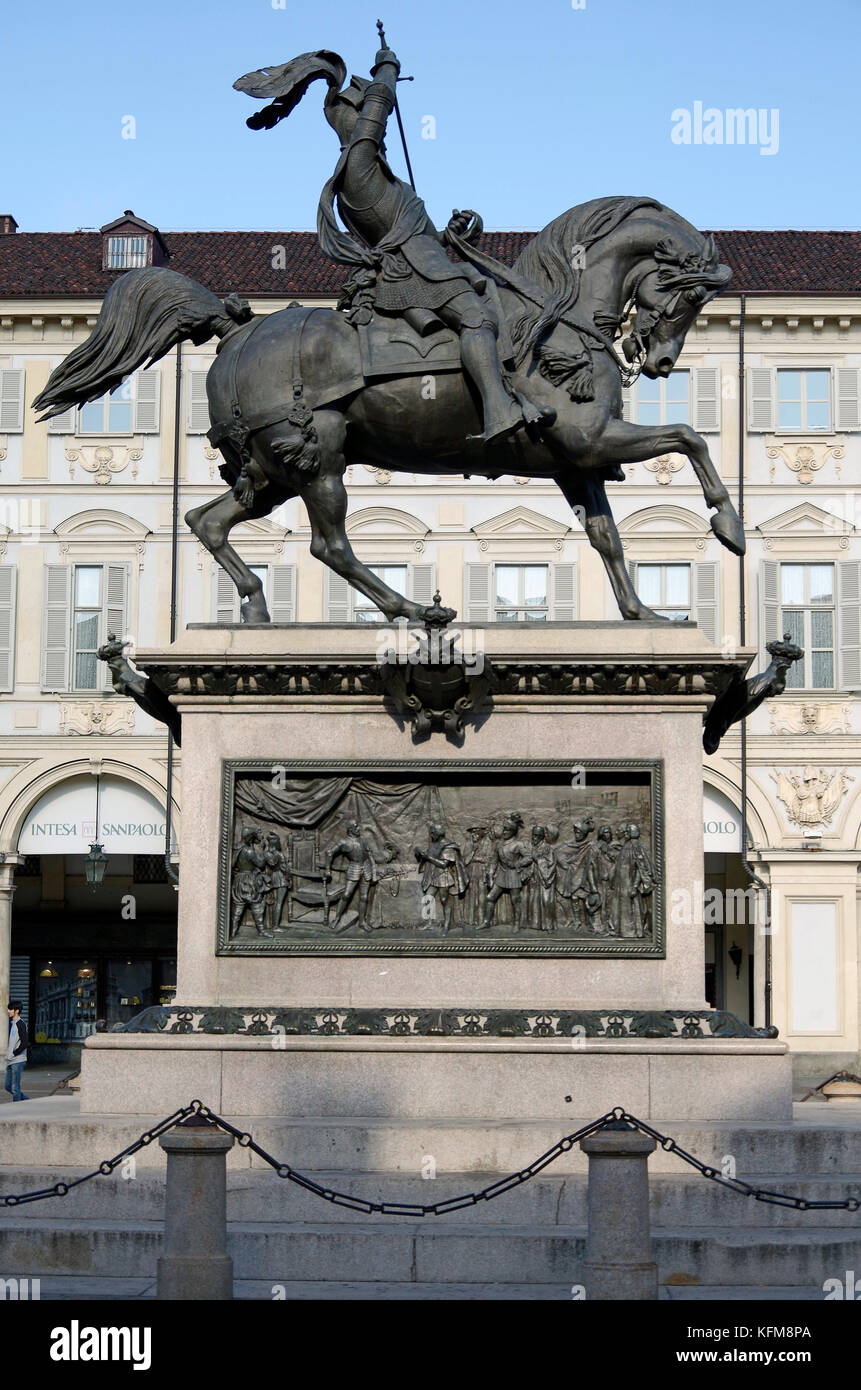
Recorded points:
(434, 858)
(329, 677)
(328, 1022)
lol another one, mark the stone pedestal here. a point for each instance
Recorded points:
(405, 1023)
(195, 1264)
(619, 1264)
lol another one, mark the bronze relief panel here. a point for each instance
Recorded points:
(522, 858)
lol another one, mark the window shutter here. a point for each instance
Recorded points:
(477, 599)
(116, 605)
(629, 403)
(19, 988)
(769, 602)
(56, 627)
(422, 583)
(282, 602)
(760, 399)
(225, 597)
(849, 623)
(197, 407)
(563, 592)
(146, 401)
(705, 577)
(848, 415)
(338, 602)
(706, 399)
(7, 627)
(11, 401)
(66, 423)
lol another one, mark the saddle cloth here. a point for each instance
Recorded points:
(391, 347)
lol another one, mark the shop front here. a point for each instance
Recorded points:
(91, 946)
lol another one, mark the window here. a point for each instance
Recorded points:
(666, 401)
(364, 611)
(279, 591)
(344, 604)
(133, 408)
(82, 604)
(86, 622)
(807, 612)
(126, 252)
(666, 589)
(149, 868)
(803, 400)
(521, 594)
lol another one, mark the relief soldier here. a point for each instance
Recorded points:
(509, 867)
(476, 857)
(605, 864)
(362, 876)
(250, 882)
(443, 873)
(278, 873)
(578, 878)
(542, 881)
(634, 881)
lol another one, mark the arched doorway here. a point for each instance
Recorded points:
(87, 956)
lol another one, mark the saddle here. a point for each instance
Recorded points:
(390, 346)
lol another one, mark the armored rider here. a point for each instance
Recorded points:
(401, 266)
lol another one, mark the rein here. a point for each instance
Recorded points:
(524, 287)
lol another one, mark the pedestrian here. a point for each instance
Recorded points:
(16, 1050)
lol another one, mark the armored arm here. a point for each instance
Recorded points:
(377, 106)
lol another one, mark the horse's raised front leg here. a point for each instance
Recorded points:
(624, 442)
(212, 523)
(587, 496)
(326, 500)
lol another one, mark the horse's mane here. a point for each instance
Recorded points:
(548, 261)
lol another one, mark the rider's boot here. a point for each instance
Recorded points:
(502, 415)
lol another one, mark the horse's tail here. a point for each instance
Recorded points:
(144, 314)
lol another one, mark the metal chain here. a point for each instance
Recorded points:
(616, 1117)
(62, 1189)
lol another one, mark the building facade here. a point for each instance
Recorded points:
(770, 376)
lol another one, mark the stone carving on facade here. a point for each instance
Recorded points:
(826, 718)
(212, 456)
(804, 458)
(455, 858)
(105, 717)
(812, 796)
(4, 445)
(664, 466)
(379, 475)
(104, 460)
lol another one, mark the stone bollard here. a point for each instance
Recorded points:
(195, 1263)
(619, 1262)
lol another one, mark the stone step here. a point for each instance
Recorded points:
(677, 1199)
(438, 1253)
(56, 1134)
(83, 1288)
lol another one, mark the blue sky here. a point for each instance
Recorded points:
(537, 106)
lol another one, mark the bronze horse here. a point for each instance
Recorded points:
(291, 408)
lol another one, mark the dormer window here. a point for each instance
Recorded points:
(126, 252)
(129, 243)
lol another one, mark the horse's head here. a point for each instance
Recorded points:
(669, 290)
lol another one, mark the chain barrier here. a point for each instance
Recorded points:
(617, 1118)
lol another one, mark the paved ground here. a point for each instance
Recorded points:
(38, 1082)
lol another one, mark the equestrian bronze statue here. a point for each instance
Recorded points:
(438, 359)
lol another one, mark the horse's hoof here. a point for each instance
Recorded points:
(254, 611)
(729, 531)
(645, 615)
